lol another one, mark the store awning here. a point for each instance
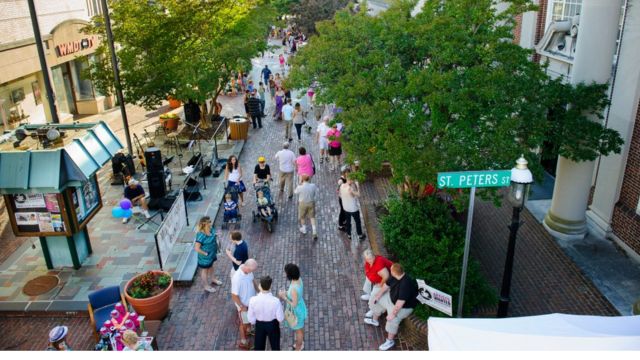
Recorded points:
(52, 170)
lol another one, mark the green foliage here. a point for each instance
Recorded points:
(308, 12)
(183, 48)
(445, 91)
(429, 243)
(149, 284)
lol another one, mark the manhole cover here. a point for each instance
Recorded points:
(40, 285)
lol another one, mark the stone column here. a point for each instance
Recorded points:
(622, 115)
(595, 48)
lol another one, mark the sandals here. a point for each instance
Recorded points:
(293, 347)
(216, 282)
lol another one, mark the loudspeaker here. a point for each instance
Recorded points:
(192, 113)
(157, 187)
(153, 159)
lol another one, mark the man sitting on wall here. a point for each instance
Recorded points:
(135, 193)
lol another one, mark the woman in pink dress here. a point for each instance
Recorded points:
(304, 164)
(335, 146)
(281, 59)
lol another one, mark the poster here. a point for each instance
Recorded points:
(37, 96)
(56, 222)
(27, 201)
(435, 298)
(44, 222)
(26, 218)
(51, 203)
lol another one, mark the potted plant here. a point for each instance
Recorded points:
(169, 121)
(173, 103)
(150, 293)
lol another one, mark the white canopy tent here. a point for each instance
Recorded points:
(544, 332)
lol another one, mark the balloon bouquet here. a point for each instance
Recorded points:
(124, 210)
(121, 320)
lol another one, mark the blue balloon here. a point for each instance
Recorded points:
(117, 212)
(126, 213)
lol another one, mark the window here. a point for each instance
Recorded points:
(93, 8)
(82, 86)
(565, 9)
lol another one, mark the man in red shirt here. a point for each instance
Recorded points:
(376, 271)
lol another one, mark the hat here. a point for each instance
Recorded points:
(133, 182)
(261, 159)
(58, 333)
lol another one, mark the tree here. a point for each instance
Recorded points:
(445, 91)
(307, 12)
(187, 49)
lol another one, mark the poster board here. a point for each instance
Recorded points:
(85, 202)
(434, 298)
(38, 214)
(169, 231)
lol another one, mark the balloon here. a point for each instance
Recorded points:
(117, 212)
(127, 213)
(125, 204)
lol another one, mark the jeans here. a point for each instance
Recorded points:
(356, 217)
(264, 330)
(262, 104)
(298, 130)
(256, 120)
(342, 218)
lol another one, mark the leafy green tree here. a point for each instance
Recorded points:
(187, 49)
(307, 12)
(446, 91)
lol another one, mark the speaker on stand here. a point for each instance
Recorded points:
(155, 173)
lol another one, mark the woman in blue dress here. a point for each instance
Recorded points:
(206, 247)
(293, 298)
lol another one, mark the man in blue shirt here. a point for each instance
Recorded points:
(240, 253)
(266, 73)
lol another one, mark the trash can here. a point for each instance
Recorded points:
(239, 128)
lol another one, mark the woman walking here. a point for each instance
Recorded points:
(293, 299)
(335, 146)
(281, 60)
(298, 120)
(233, 176)
(304, 164)
(272, 88)
(207, 248)
(277, 115)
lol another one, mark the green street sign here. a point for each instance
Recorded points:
(469, 179)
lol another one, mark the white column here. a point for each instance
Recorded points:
(624, 104)
(595, 48)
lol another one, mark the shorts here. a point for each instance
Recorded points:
(241, 187)
(243, 315)
(333, 151)
(323, 143)
(306, 210)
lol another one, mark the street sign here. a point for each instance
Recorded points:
(435, 298)
(479, 179)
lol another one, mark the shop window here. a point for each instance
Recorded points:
(83, 87)
(565, 9)
(93, 8)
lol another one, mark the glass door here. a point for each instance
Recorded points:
(63, 87)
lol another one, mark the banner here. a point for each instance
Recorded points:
(169, 231)
(434, 298)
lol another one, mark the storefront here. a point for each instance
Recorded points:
(68, 52)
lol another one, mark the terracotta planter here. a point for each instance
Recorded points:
(170, 123)
(173, 103)
(155, 307)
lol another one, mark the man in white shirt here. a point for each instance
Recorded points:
(321, 139)
(286, 161)
(265, 311)
(287, 116)
(349, 194)
(243, 287)
(307, 205)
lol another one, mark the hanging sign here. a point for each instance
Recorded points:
(435, 298)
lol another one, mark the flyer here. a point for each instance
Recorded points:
(56, 222)
(26, 218)
(52, 203)
(44, 222)
(26, 201)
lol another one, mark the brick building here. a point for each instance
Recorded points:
(22, 94)
(594, 41)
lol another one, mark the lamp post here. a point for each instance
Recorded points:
(521, 180)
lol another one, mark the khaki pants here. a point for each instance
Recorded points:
(287, 129)
(286, 178)
(385, 304)
(306, 210)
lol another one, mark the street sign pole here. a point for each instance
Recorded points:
(467, 242)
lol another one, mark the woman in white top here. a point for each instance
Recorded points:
(233, 176)
(349, 194)
(298, 120)
(321, 139)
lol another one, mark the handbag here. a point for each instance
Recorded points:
(313, 164)
(290, 317)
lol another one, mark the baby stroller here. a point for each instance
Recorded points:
(231, 217)
(266, 211)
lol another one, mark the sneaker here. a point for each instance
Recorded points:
(217, 282)
(369, 314)
(146, 214)
(303, 229)
(349, 237)
(321, 160)
(125, 220)
(362, 237)
(209, 289)
(387, 345)
(365, 297)
(370, 321)
(342, 228)
(315, 237)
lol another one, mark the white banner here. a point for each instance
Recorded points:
(169, 231)
(434, 298)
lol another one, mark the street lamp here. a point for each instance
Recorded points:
(521, 180)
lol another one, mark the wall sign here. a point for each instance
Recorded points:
(72, 47)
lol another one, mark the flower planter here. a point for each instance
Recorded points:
(169, 122)
(155, 307)
(173, 103)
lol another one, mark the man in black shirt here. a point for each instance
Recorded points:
(398, 297)
(262, 171)
(254, 108)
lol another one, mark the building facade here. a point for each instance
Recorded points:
(594, 41)
(67, 52)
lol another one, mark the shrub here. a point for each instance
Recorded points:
(149, 284)
(425, 238)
